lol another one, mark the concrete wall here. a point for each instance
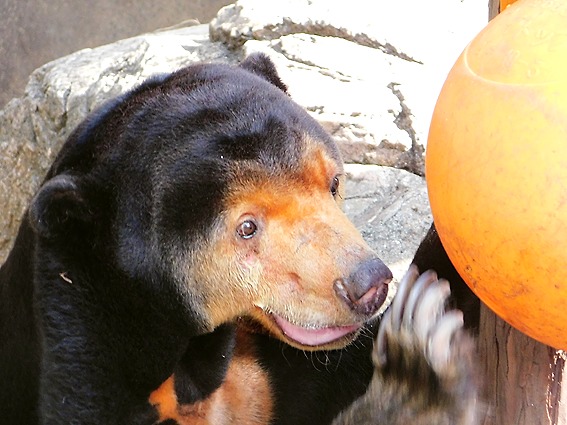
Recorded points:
(33, 32)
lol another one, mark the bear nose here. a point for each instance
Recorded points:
(366, 289)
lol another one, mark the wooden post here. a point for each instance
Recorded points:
(523, 378)
(493, 8)
(497, 6)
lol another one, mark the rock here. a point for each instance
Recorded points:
(61, 93)
(357, 108)
(369, 71)
(370, 74)
(391, 209)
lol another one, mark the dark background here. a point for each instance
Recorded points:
(33, 32)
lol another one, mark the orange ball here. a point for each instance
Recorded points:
(496, 167)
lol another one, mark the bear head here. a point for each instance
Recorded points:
(212, 186)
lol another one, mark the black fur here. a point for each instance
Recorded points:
(431, 255)
(87, 294)
(312, 388)
(91, 316)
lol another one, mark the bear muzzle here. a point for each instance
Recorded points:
(366, 289)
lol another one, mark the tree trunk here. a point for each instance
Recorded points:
(493, 8)
(523, 378)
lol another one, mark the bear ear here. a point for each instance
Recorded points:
(261, 65)
(57, 207)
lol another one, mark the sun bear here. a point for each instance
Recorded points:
(186, 260)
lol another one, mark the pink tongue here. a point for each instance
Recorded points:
(313, 337)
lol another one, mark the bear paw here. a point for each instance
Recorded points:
(424, 361)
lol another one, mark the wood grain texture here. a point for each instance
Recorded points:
(523, 378)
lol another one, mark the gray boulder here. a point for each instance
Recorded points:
(369, 70)
(61, 93)
(390, 208)
(355, 66)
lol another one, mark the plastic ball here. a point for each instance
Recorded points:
(496, 167)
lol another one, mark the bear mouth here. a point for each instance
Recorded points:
(314, 336)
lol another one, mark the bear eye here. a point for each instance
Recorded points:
(247, 229)
(335, 186)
